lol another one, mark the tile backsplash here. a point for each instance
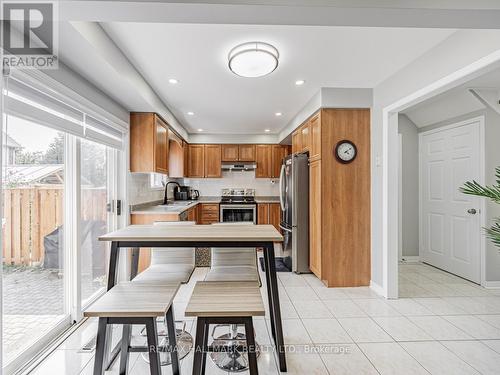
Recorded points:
(213, 186)
(140, 190)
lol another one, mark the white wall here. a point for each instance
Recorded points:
(410, 186)
(213, 186)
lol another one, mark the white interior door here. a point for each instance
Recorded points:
(450, 225)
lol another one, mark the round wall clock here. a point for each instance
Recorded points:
(345, 151)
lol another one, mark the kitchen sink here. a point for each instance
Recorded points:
(178, 203)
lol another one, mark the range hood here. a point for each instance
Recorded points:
(238, 167)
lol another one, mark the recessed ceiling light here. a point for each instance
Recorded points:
(278, 114)
(300, 82)
(267, 130)
(253, 59)
(190, 113)
(173, 81)
(200, 130)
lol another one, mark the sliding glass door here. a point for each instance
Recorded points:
(59, 193)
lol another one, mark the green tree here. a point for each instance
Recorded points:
(492, 193)
(55, 151)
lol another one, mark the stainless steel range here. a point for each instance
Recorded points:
(238, 205)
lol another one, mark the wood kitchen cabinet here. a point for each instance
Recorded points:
(296, 141)
(176, 156)
(192, 214)
(263, 213)
(213, 161)
(209, 213)
(305, 137)
(315, 217)
(263, 159)
(315, 137)
(238, 152)
(339, 198)
(196, 164)
(269, 213)
(279, 152)
(148, 143)
(246, 152)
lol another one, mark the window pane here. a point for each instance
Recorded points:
(32, 233)
(94, 217)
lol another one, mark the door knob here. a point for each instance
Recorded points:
(471, 211)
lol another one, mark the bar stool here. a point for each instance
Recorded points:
(225, 302)
(174, 264)
(134, 303)
(232, 264)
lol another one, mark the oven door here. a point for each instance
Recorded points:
(231, 213)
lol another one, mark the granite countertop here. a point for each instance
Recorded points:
(157, 207)
(178, 207)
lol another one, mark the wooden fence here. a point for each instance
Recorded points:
(33, 212)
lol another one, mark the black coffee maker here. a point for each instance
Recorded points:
(185, 193)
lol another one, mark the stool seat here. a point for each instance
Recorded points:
(129, 299)
(233, 273)
(165, 273)
(225, 299)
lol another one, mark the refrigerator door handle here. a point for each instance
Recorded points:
(282, 177)
(286, 229)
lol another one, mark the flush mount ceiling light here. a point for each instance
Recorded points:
(267, 130)
(173, 81)
(200, 130)
(278, 114)
(253, 59)
(300, 82)
(190, 113)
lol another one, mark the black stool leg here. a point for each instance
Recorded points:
(124, 355)
(251, 347)
(154, 355)
(172, 340)
(206, 329)
(199, 343)
(100, 347)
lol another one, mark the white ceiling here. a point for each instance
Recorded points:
(453, 103)
(196, 55)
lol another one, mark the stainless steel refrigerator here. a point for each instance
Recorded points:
(294, 201)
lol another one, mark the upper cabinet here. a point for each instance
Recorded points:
(307, 138)
(279, 152)
(176, 165)
(246, 152)
(148, 143)
(205, 161)
(196, 164)
(269, 159)
(213, 161)
(230, 153)
(238, 152)
(263, 159)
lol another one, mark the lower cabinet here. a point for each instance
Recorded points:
(208, 213)
(269, 213)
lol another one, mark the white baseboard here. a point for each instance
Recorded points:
(411, 259)
(491, 284)
(377, 288)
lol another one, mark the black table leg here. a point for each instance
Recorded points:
(274, 305)
(113, 264)
(125, 343)
(172, 340)
(199, 346)
(134, 262)
(100, 347)
(251, 347)
(154, 354)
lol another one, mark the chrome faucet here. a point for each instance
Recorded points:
(165, 199)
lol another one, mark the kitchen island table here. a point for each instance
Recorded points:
(256, 236)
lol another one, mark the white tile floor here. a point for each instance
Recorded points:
(441, 325)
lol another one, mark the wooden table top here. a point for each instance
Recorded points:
(193, 233)
(129, 299)
(225, 299)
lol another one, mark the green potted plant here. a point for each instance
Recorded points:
(493, 193)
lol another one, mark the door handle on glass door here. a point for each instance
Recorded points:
(472, 211)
